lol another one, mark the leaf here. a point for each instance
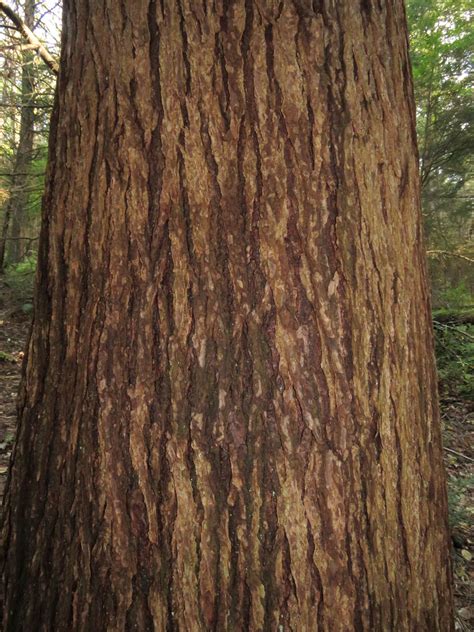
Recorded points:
(467, 555)
(4, 470)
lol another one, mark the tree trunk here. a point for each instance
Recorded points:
(8, 123)
(20, 195)
(15, 212)
(228, 419)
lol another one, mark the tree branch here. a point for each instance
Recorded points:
(31, 37)
(446, 253)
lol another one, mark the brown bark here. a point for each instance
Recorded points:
(228, 419)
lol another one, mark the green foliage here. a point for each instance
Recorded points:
(6, 357)
(454, 344)
(442, 45)
(460, 510)
(454, 316)
(27, 87)
(20, 278)
(442, 54)
(457, 297)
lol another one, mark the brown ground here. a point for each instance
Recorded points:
(458, 419)
(458, 423)
(13, 333)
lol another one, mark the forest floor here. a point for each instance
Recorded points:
(458, 429)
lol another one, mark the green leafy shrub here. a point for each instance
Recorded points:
(456, 298)
(20, 278)
(454, 344)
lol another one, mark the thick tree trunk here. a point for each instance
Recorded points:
(15, 212)
(228, 419)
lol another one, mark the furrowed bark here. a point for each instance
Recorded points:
(228, 419)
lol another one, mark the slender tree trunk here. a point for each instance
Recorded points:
(228, 419)
(8, 123)
(20, 182)
(4, 234)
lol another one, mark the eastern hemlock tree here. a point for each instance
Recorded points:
(228, 416)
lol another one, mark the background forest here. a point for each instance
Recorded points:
(442, 51)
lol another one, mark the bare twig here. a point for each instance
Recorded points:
(456, 329)
(464, 456)
(31, 37)
(446, 253)
(46, 106)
